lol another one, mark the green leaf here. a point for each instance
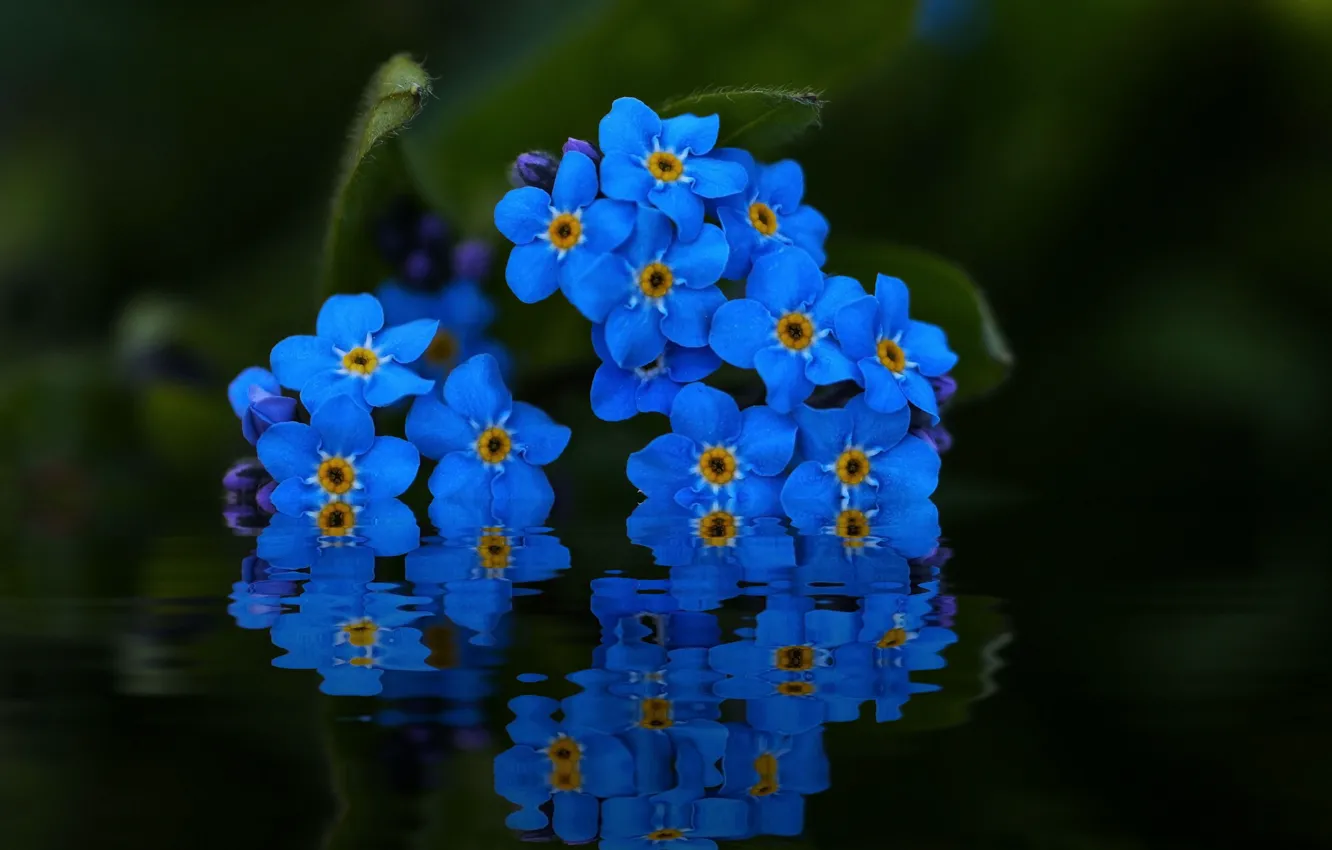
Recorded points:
(941, 293)
(758, 119)
(372, 174)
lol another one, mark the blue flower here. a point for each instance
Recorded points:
(783, 327)
(490, 450)
(619, 394)
(557, 235)
(257, 399)
(768, 215)
(572, 764)
(895, 623)
(895, 354)
(651, 823)
(492, 554)
(335, 463)
(774, 773)
(663, 163)
(653, 289)
(849, 565)
(463, 312)
(386, 527)
(864, 476)
(716, 452)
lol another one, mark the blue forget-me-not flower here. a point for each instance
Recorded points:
(768, 215)
(619, 394)
(774, 773)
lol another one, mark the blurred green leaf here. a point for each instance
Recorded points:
(758, 119)
(372, 173)
(941, 293)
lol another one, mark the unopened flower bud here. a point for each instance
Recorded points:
(534, 168)
(587, 149)
(266, 410)
(944, 387)
(471, 260)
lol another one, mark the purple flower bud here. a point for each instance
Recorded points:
(418, 266)
(471, 260)
(944, 387)
(244, 477)
(431, 228)
(534, 168)
(263, 498)
(937, 558)
(936, 435)
(266, 409)
(587, 149)
(245, 520)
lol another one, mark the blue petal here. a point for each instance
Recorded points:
(894, 303)
(782, 184)
(874, 429)
(575, 182)
(533, 272)
(651, 238)
(782, 621)
(294, 497)
(759, 496)
(690, 364)
(767, 440)
(523, 497)
(741, 658)
(407, 342)
(656, 395)
(626, 817)
(576, 816)
(626, 177)
(689, 315)
(741, 238)
(404, 305)
(781, 814)
(599, 343)
(911, 527)
(828, 629)
(613, 393)
(690, 133)
(828, 365)
(811, 496)
(462, 305)
(681, 205)
(745, 160)
(740, 329)
(601, 287)
(436, 429)
(927, 346)
(807, 229)
(346, 320)
(824, 433)
(329, 385)
(389, 527)
(523, 213)
(461, 487)
(297, 359)
(289, 450)
(663, 466)
(634, 335)
(345, 428)
(784, 281)
(705, 415)
(715, 178)
(921, 394)
(838, 291)
(857, 327)
(389, 468)
(392, 382)
(536, 436)
(477, 391)
(700, 262)
(910, 471)
(883, 391)
(784, 375)
(606, 224)
(629, 127)
(238, 391)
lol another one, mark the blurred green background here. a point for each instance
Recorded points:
(1140, 187)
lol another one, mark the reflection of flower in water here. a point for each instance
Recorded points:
(774, 773)
(382, 527)
(256, 600)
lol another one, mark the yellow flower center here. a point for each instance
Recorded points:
(443, 348)
(567, 779)
(336, 476)
(493, 445)
(892, 356)
(336, 519)
(565, 231)
(664, 835)
(564, 751)
(763, 218)
(717, 466)
(766, 767)
(794, 658)
(655, 713)
(360, 361)
(795, 689)
(892, 637)
(363, 632)
(494, 551)
(442, 642)
(665, 166)
(656, 280)
(717, 528)
(796, 331)
(363, 661)
(852, 527)
(853, 466)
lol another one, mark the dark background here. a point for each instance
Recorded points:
(1139, 186)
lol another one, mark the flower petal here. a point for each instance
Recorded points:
(874, 429)
(523, 497)
(389, 527)
(651, 238)
(663, 466)
(329, 385)
(404, 305)
(883, 391)
(601, 287)
(297, 359)
(700, 262)
(910, 526)
(807, 229)
(707, 416)
(405, 343)
(681, 205)
(294, 497)
(811, 496)
(783, 373)
(894, 303)
(740, 329)
(345, 428)
(626, 177)
(926, 345)
(436, 429)
(782, 184)
(692, 133)
(614, 393)
(392, 382)
(238, 391)
(629, 127)
(741, 239)
(909, 471)
(575, 182)
(921, 394)
(533, 272)
(477, 391)
(538, 438)
(289, 450)
(576, 817)
(462, 305)
(634, 336)
(767, 440)
(824, 433)
(656, 395)
(689, 315)
(715, 178)
(606, 224)
(838, 291)
(522, 214)
(690, 364)
(828, 365)
(461, 487)
(389, 468)
(857, 327)
(346, 320)
(784, 280)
